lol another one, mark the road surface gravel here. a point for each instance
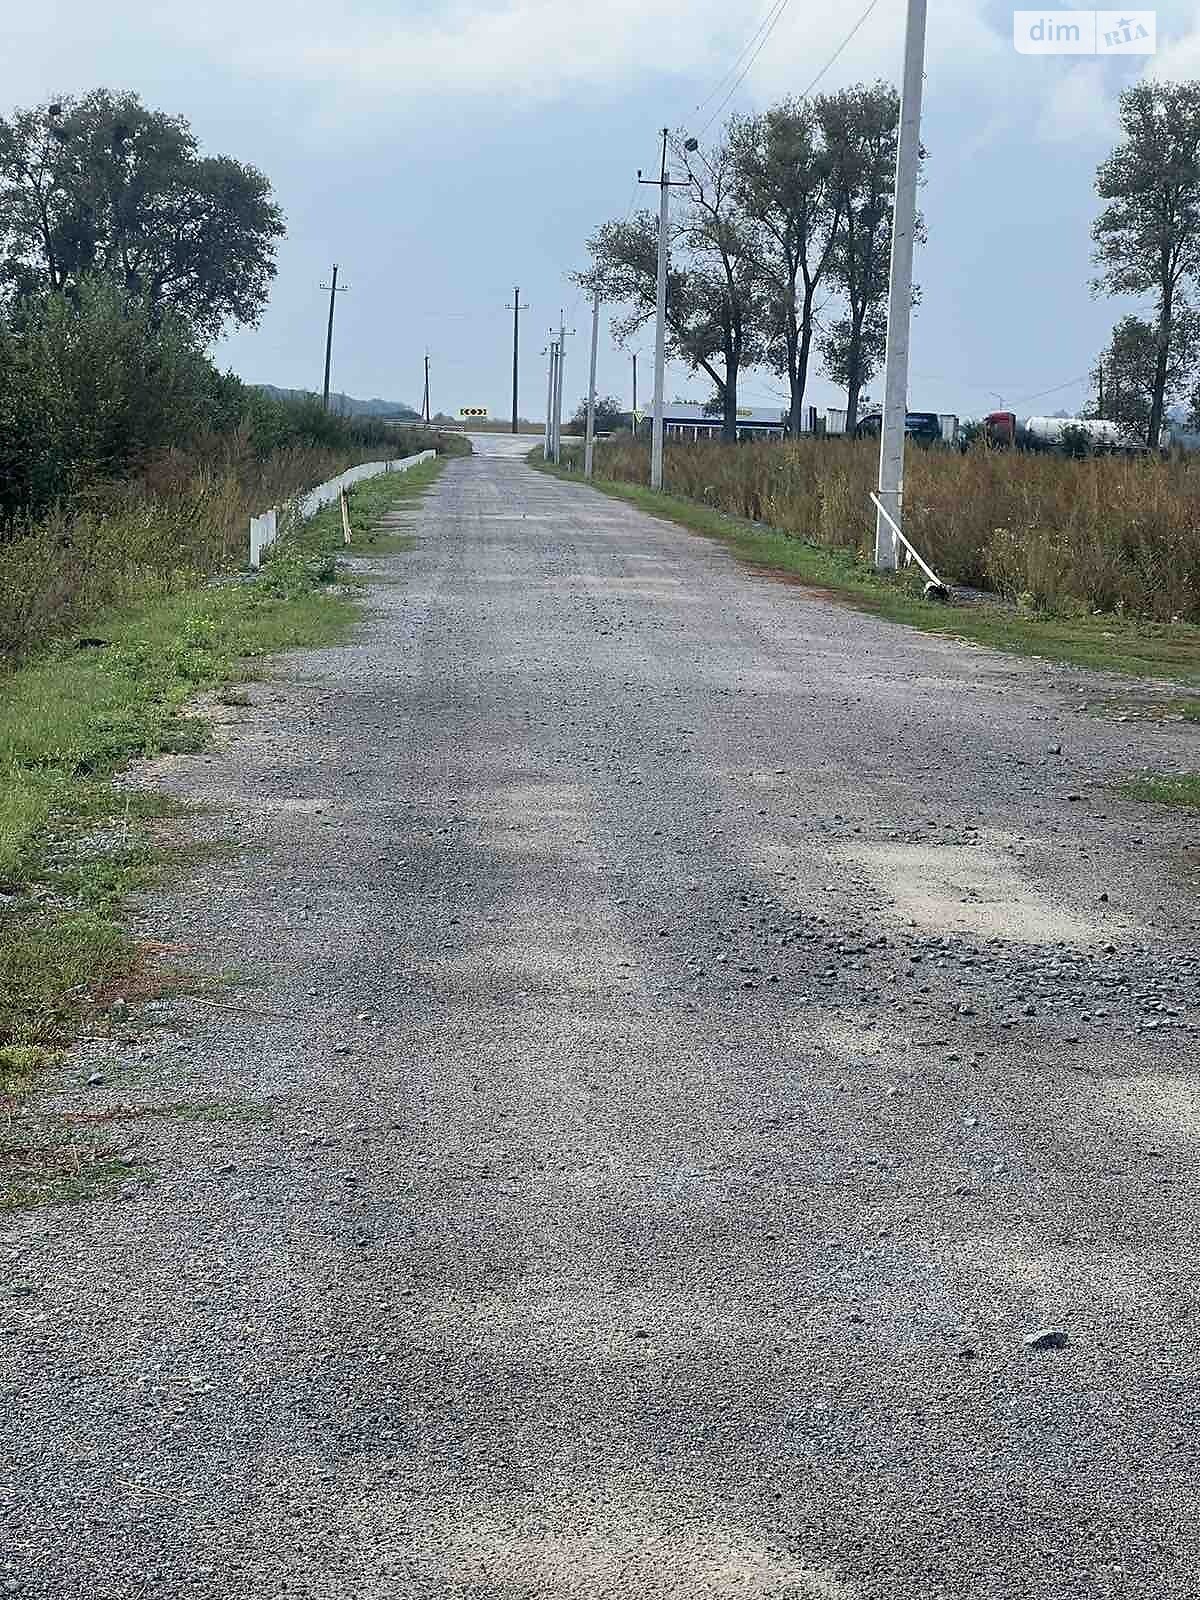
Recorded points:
(688, 1052)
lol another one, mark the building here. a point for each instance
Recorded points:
(685, 420)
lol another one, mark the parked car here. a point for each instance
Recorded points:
(922, 427)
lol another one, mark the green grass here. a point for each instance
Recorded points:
(63, 1172)
(369, 501)
(1181, 789)
(72, 842)
(1107, 643)
(247, 1111)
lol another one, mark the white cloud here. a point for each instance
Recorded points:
(1178, 58)
(1080, 107)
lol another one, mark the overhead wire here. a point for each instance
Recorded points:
(737, 61)
(810, 87)
(780, 8)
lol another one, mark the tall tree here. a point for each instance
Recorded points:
(103, 187)
(725, 280)
(859, 127)
(1148, 234)
(785, 185)
(708, 326)
(1127, 373)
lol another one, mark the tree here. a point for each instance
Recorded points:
(610, 415)
(702, 324)
(1148, 235)
(785, 184)
(859, 127)
(726, 278)
(102, 187)
(89, 390)
(1127, 373)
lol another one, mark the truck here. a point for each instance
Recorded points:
(922, 427)
(1064, 435)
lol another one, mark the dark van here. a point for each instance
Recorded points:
(922, 427)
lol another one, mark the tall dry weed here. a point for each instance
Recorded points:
(1100, 534)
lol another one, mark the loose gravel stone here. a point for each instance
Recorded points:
(582, 1325)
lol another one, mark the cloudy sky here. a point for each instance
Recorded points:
(444, 151)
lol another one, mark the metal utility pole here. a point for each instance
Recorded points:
(665, 185)
(552, 351)
(516, 308)
(904, 223)
(589, 449)
(334, 291)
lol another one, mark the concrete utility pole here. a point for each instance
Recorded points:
(665, 185)
(516, 308)
(552, 351)
(334, 291)
(633, 414)
(904, 224)
(564, 333)
(425, 402)
(589, 449)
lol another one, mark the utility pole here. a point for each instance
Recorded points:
(552, 383)
(516, 308)
(334, 291)
(564, 333)
(589, 449)
(633, 413)
(425, 402)
(665, 185)
(904, 225)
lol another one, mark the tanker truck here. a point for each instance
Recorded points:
(1066, 435)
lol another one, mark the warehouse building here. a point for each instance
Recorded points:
(686, 420)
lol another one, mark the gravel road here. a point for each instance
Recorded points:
(698, 1032)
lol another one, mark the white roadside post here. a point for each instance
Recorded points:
(904, 223)
(589, 450)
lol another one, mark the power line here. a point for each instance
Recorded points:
(806, 92)
(1058, 387)
(780, 8)
(724, 78)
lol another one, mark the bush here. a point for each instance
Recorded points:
(90, 387)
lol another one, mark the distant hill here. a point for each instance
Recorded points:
(345, 404)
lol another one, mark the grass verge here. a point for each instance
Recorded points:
(1103, 643)
(73, 842)
(1181, 789)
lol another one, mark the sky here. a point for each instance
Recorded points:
(446, 152)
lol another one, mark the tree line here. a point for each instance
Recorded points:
(780, 252)
(1147, 244)
(124, 252)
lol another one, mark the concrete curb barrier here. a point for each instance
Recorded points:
(265, 529)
